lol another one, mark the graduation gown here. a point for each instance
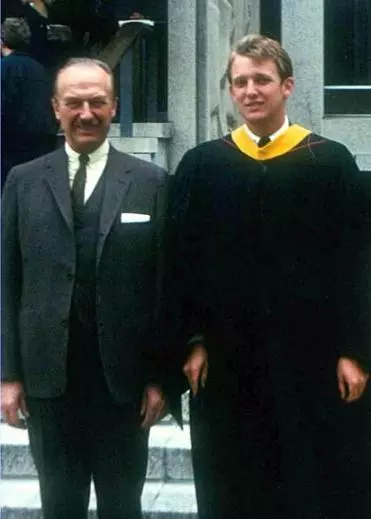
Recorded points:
(264, 262)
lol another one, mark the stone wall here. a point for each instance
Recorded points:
(201, 33)
(182, 80)
(304, 38)
(223, 23)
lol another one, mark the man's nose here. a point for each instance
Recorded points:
(86, 112)
(251, 89)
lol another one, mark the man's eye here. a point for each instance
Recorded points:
(240, 83)
(262, 80)
(97, 104)
(73, 104)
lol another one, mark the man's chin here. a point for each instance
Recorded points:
(86, 144)
(254, 116)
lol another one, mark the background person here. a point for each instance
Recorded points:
(28, 125)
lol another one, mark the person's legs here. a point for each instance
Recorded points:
(217, 463)
(118, 449)
(57, 446)
(235, 460)
(343, 450)
(339, 431)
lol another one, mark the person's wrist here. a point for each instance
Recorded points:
(196, 339)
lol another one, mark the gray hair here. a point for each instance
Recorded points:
(15, 33)
(85, 62)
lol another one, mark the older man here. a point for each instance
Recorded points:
(81, 253)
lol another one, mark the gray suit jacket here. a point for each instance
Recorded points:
(38, 267)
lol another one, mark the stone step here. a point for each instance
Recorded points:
(148, 142)
(20, 499)
(150, 149)
(141, 145)
(169, 453)
(157, 130)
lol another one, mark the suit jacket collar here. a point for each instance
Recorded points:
(118, 179)
(117, 175)
(56, 176)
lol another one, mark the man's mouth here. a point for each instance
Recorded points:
(253, 105)
(86, 129)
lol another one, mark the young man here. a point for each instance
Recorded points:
(81, 247)
(265, 226)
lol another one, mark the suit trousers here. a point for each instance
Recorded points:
(84, 435)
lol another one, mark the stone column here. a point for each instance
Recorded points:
(220, 24)
(303, 38)
(201, 34)
(182, 81)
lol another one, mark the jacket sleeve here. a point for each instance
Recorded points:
(11, 272)
(354, 263)
(182, 315)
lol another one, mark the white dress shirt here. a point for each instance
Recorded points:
(256, 138)
(94, 169)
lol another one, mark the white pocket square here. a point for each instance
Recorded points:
(134, 217)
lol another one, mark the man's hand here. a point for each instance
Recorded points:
(13, 404)
(136, 16)
(196, 368)
(153, 406)
(352, 379)
(39, 6)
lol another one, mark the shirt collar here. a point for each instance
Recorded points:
(256, 138)
(98, 154)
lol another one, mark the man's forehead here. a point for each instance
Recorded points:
(244, 65)
(79, 78)
(83, 90)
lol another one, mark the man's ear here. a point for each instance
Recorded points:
(289, 85)
(55, 108)
(231, 93)
(114, 108)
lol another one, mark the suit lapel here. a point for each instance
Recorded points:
(117, 183)
(57, 179)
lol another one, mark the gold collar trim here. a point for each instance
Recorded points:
(279, 146)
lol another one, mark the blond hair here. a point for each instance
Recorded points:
(259, 47)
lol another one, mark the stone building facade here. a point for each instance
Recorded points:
(201, 33)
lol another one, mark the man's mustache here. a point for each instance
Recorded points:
(87, 126)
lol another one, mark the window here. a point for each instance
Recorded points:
(348, 57)
(270, 18)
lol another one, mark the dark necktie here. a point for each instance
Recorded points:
(78, 186)
(263, 141)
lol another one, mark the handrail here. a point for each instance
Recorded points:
(120, 51)
(122, 40)
(347, 87)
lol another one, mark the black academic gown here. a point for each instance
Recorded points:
(264, 246)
